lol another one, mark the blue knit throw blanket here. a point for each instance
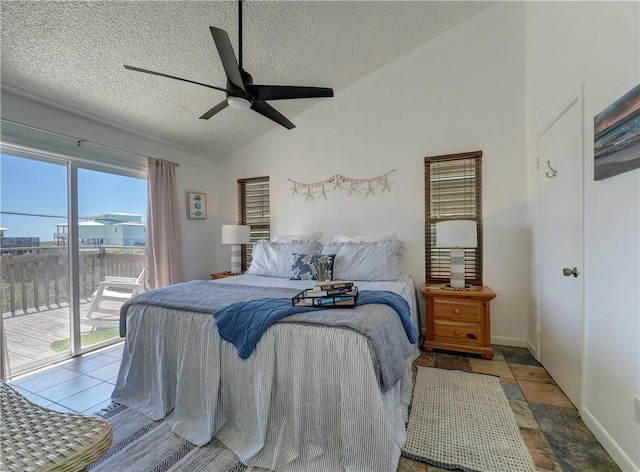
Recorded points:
(243, 323)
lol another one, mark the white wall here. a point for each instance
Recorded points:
(200, 238)
(596, 44)
(463, 91)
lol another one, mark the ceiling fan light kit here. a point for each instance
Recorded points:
(239, 103)
(242, 94)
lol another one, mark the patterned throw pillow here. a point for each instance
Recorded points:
(274, 259)
(312, 267)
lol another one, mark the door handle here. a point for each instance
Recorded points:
(568, 272)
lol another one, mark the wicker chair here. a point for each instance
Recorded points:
(33, 438)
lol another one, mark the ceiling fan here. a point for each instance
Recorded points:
(242, 94)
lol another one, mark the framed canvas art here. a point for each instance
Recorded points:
(196, 205)
(617, 137)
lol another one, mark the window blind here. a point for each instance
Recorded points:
(453, 191)
(253, 210)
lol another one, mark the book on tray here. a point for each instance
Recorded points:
(330, 292)
(328, 284)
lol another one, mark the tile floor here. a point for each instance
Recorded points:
(557, 439)
(80, 385)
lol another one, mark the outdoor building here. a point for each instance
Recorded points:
(106, 229)
(130, 233)
(21, 241)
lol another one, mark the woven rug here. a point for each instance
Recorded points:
(460, 420)
(143, 445)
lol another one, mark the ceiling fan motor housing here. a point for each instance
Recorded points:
(244, 99)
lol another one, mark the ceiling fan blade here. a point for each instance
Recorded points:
(267, 110)
(137, 69)
(284, 92)
(219, 107)
(228, 58)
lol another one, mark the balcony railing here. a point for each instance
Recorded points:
(35, 277)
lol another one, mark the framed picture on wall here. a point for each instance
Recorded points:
(196, 205)
(617, 136)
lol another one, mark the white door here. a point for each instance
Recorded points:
(560, 183)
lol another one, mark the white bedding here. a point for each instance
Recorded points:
(307, 399)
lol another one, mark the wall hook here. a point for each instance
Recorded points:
(553, 171)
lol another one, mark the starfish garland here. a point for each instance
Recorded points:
(315, 190)
(385, 185)
(370, 190)
(308, 195)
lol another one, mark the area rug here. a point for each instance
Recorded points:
(143, 445)
(460, 420)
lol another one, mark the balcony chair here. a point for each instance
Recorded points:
(111, 289)
(34, 438)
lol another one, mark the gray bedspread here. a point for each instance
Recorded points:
(381, 324)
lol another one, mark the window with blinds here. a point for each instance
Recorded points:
(453, 191)
(253, 210)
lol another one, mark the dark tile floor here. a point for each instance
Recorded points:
(557, 439)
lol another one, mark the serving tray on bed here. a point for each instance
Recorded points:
(342, 300)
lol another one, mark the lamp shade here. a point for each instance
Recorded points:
(456, 233)
(236, 234)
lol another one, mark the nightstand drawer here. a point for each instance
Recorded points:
(458, 333)
(458, 310)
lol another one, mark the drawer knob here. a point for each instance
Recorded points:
(456, 332)
(456, 311)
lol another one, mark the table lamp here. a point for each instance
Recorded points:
(457, 235)
(236, 235)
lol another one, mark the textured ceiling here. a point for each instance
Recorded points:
(72, 53)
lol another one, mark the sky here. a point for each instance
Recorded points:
(36, 187)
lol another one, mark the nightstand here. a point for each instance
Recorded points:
(221, 275)
(458, 320)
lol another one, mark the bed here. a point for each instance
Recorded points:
(315, 394)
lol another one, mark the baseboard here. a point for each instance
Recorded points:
(617, 454)
(505, 341)
(532, 349)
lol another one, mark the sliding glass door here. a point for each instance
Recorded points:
(72, 239)
(34, 262)
(112, 237)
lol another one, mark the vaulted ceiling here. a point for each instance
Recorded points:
(72, 54)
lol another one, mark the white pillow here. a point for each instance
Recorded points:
(274, 259)
(367, 238)
(366, 261)
(285, 238)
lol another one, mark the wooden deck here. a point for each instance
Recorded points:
(29, 334)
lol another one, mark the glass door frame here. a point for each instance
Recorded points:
(73, 164)
(74, 258)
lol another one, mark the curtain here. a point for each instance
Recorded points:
(163, 256)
